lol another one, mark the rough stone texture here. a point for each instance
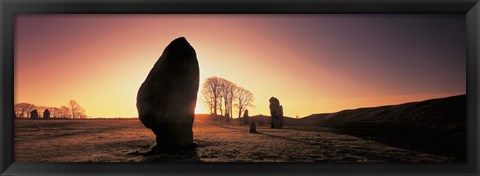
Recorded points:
(34, 114)
(166, 99)
(276, 111)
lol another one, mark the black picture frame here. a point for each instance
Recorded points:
(10, 8)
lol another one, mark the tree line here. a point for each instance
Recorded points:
(71, 110)
(221, 96)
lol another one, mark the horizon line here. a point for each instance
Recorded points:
(269, 115)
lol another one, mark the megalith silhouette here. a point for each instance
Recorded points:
(276, 111)
(166, 99)
(34, 114)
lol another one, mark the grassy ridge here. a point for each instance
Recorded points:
(434, 126)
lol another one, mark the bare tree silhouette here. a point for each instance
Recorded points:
(65, 112)
(40, 110)
(211, 91)
(208, 99)
(220, 94)
(22, 110)
(55, 112)
(228, 90)
(75, 109)
(244, 99)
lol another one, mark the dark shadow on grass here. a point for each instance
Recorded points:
(270, 135)
(226, 126)
(289, 139)
(424, 141)
(370, 154)
(189, 155)
(335, 150)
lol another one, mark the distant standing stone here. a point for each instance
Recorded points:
(34, 114)
(246, 117)
(166, 100)
(46, 114)
(253, 126)
(276, 111)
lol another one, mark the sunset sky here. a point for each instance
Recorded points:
(311, 63)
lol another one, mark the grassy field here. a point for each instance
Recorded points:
(124, 140)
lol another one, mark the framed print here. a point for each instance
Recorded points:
(228, 88)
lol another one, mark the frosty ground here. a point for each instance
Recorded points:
(123, 140)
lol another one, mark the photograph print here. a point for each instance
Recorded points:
(240, 88)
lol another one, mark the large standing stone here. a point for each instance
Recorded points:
(276, 111)
(166, 100)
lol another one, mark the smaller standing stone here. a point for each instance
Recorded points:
(246, 117)
(34, 114)
(276, 111)
(253, 126)
(46, 114)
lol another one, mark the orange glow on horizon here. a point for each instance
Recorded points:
(199, 109)
(101, 60)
